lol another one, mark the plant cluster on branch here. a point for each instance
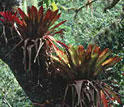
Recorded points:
(82, 69)
(79, 67)
(33, 29)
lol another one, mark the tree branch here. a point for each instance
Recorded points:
(111, 5)
(80, 8)
(76, 10)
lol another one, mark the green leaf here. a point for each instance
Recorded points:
(54, 6)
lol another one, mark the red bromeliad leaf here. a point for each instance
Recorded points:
(104, 100)
(114, 96)
(40, 14)
(55, 17)
(62, 44)
(48, 37)
(123, 74)
(88, 52)
(47, 16)
(22, 14)
(2, 13)
(60, 53)
(17, 20)
(38, 23)
(34, 12)
(2, 20)
(81, 53)
(96, 49)
(81, 49)
(89, 49)
(8, 17)
(53, 28)
(58, 32)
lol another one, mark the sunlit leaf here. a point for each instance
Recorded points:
(111, 61)
(54, 6)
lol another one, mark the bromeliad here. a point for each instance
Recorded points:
(34, 29)
(86, 64)
(8, 17)
(37, 24)
(82, 69)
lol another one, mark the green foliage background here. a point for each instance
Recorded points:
(10, 91)
(80, 30)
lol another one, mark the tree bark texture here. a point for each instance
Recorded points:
(40, 85)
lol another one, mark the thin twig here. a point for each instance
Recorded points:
(80, 8)
(5, 101)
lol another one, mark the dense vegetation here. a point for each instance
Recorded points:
(105, 29)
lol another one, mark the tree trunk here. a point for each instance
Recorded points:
(39, 84)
